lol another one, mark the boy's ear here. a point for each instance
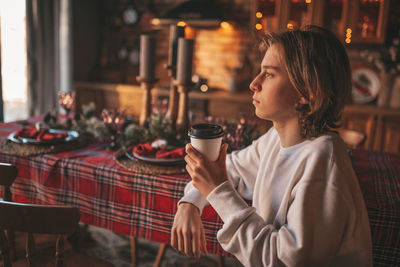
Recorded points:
(303, 101)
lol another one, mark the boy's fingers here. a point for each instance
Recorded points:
(189, 160)
(196, 244)
(181, 247)
(192, 151)
(203, 241)
(188, 244)
(173, 239)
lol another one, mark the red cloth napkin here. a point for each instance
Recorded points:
(46, 136)
(144, 149)
(171, 154)
(40, 135)
(27, 132)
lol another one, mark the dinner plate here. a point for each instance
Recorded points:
(153, 160)
(71, 136)
(366, 84)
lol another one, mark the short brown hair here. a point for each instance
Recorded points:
(319, 69)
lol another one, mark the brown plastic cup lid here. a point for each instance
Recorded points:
(206, 131)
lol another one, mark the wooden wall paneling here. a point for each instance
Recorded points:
(86, 95)
(363, 122)
(390, 140)
(317, 13)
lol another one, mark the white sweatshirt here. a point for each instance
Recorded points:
(308, 209)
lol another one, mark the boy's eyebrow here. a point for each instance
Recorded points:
(270, 67)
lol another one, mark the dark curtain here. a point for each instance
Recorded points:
(42, 20)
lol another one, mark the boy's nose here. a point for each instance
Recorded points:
(255, 85)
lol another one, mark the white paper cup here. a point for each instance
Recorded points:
(207, 139)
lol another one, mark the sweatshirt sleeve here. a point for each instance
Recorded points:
(241, 171)
(309, 236)
(193, 195)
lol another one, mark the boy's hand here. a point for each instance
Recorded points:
(187, 234)
(206, 175)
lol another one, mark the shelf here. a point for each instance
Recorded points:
(238, 97)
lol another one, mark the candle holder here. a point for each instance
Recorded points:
(175, 33)
(182, 121)
(67, 101)
(115, 122)
(146, 85)
(172, 112)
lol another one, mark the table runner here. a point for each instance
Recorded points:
(114, 198)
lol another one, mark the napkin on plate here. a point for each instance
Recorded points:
(171, 154)
(146, 149)
(40, 135)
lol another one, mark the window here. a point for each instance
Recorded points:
(13, 59)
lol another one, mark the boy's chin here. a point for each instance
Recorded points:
(261, 116)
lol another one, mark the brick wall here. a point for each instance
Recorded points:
(219, 53)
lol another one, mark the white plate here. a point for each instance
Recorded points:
(153, 160)
(366, 84)
(71, 136)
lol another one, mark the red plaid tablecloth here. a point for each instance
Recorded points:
(129, 203)
(108, 195)
(379, 177)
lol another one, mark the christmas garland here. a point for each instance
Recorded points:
(127, 133)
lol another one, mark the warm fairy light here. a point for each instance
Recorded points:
(348, 35)
(259, 15)
(204, 88)
(190, 32)
(258, 26)
(290, 26)
(181, 23)
(308, 1)
(225, 25)
(155, 21)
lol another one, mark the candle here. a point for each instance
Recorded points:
(185, 55)
(147, 57)
(175, 32)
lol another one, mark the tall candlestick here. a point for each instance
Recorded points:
(185, 58)
(147, 57)
(175, 32)
(182, 121)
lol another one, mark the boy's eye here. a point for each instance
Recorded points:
(268, 75)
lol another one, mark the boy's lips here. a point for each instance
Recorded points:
(255, 101)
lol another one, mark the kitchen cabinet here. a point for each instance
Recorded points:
(353, 21)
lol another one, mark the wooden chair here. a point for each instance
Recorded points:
(161, 251)
(352, 138)
(41, 219)
(8, 174)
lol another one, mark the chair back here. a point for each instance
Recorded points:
(40, 219)
(8, 173)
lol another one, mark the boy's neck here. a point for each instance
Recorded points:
(289, 133)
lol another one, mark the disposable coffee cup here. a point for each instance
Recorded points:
(207, 139)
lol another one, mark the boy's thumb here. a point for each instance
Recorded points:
(222, 154)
